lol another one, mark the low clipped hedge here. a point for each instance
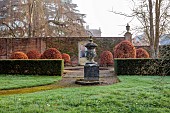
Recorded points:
(142, 67)
(32, 67)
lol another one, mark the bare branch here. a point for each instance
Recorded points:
(121, 13)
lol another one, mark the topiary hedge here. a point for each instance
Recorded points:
(51, 53)
(141, 53)
(124, 49)
(18, 55)
(66, 58)
(33, 54)
(106, 58)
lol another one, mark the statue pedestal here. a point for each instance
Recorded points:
(91, 69)
(91, 72)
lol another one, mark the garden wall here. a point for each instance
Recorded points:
(69, 45)
(64, 44)
(10, 45)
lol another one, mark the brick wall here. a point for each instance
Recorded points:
(9, 45)
(64, 44)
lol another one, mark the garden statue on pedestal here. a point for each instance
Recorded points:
(91, 68)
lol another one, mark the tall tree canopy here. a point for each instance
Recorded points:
(40, 18)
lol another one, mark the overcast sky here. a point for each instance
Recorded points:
(98, 15)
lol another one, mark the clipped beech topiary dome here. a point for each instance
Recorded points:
(18, 55)
(141, 53)
(124, 49)
(51, 53)
(106, 58)
(66, 58)
(33, 54)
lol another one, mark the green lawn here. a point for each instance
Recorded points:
(22, 81)
(134, 94)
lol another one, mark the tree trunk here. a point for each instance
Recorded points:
(157, 50)
(153, 55)
(152, 50)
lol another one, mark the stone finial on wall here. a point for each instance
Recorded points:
(128, 35)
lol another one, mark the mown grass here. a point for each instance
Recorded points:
(23, 81)
(134, 94)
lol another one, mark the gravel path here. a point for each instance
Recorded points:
(106, 75)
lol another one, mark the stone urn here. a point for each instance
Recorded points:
(91, 68)
(91, 52)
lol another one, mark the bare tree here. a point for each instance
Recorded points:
(154, 16)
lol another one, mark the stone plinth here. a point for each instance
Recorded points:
(91, 72)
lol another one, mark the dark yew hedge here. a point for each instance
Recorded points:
(32, 67)
(142, 67)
